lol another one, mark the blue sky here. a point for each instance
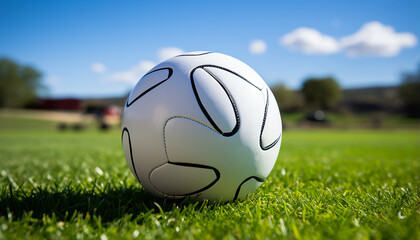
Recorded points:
(95, 48)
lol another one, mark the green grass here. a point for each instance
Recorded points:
(16, 124)
(327, 184)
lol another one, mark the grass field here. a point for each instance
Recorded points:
(327, 184)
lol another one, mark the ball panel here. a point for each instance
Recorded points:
(214, 101)
(191, 142)
(271, 129)
(148, 82)
(249, 185)
(180, 180)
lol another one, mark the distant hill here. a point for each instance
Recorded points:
(371, 93)
(372, 99)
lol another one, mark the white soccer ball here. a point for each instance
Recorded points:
(201, 124)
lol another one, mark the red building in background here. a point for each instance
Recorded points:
(66, 104)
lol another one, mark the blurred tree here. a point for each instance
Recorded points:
(410, 93)
(321, 92)
(19, 85)
(287, 99)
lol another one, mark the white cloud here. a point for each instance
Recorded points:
(373, 39)
(310, 41)
(133, 74)
(98, 67)
(376, 39)
(257, 46)
(168, 52)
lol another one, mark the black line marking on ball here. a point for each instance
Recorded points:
(198, 166)
(200, 104)
(234, 73)
(193, 54)
(131, 151)
(265, 148)
(170, 72)
(232, 101)
(244, 181)
(203, 109)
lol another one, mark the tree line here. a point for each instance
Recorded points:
(315, 93)
(325, 94)
(19, 84)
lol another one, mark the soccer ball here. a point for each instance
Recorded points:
(201, 124)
